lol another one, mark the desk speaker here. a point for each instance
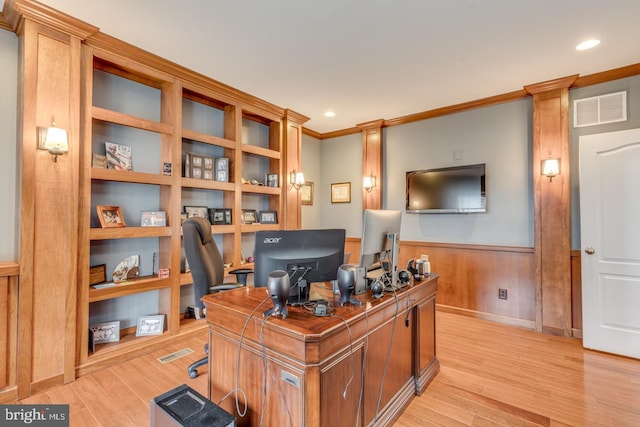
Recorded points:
(278, 286)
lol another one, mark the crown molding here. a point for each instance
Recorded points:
(47, 16)
(549, 85)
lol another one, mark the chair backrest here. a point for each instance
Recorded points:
(203, 256)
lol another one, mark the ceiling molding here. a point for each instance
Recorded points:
(607, 76)
(48, 17)
(560, 83)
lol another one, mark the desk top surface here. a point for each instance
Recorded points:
(230, 309)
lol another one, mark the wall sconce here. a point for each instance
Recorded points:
(296, 180)
(54, 140)
(369, 183)
(550, 167)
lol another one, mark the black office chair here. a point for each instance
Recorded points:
(207, 269)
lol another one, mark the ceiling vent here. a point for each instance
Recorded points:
(600, 109)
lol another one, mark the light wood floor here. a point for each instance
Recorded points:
(491, 375)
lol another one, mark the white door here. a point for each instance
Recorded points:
(610, 235)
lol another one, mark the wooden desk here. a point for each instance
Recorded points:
(322, 371)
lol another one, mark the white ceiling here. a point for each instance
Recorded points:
(373, 59)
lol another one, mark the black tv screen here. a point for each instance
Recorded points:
(458, 189)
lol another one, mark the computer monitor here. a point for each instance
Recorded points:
(308, 256)
(380, 242)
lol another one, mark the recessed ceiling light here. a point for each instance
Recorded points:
(588, 44)
(329, 114)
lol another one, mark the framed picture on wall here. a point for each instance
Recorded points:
(341, 192)
(268, 217)
(306, 193)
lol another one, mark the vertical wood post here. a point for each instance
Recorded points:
(372, 162)
(552, 229)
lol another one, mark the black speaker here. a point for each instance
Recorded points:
(404, 276)
(278, 286)
(377, 288)
(346, 284)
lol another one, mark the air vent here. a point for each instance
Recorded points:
(600, 109)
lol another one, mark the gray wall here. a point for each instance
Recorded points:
(499, 136)
(9, 194)
(632, 86)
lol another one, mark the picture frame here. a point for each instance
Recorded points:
(268, 217)
(110, 216)
(153, 219)
(271, 180)
(105, 332)
(216, 216)
(167, 169)
(201, 211)
(249, 216)
(118, 156)
(227, 215)
(341, 192)
(97, 274)
(150, 325)
(222, 169)
(306, 193)
(183, 217)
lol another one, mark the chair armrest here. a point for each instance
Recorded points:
(241, 274)
(225, 287)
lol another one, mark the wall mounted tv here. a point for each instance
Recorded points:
(458, 189)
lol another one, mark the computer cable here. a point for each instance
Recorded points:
(264, 376)
(353, 363)
(237, 389)
(386, 363)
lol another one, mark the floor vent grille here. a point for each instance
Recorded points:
(174, 356)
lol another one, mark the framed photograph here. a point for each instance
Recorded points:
(216, 216)
(99, 161)
(306, 193)
(167, 169)
(227, 215)
(183, 217)
(271, 180)
(118, 156)
(341, 192)
(150, 325)
(249, 216)
(153, 219)
(201, 211)
(105, 332)
(222, 169)
(110, 216)
(268, 217)
(97, 274)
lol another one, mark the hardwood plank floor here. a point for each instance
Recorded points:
(491, 375)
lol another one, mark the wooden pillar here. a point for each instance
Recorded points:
(292, 160)
(50, 62)
(552, 229)
(372, 162)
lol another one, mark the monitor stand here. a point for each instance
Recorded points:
(299, 293)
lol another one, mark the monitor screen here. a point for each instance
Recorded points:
(377, 228)
(306, 255)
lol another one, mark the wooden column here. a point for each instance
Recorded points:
(552, 234)
(50, 51)
(372, 162)
(292, 160)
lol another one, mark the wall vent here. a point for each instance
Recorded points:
(600, 109)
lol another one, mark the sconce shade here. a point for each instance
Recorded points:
(369, 183)
(54, 140)
(550, 167)
(296, 180)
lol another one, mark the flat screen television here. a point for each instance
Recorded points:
(458, 189)
(307, 256)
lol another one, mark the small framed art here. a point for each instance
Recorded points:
(268, 217)
(341, 192)
(249, 216)
(153, 219)
(216, 216)
(105, 332)
(110, 216)
(118, 156)
(222, 169)
(306, 193)
(150, 325)
(201, 211)
(271, 180)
